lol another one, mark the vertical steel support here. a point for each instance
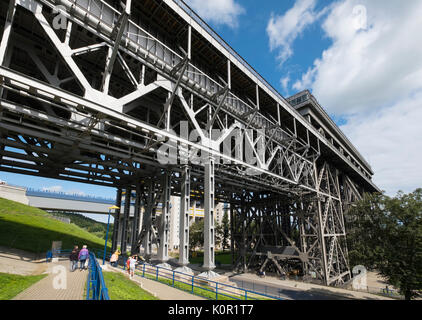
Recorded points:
(147, 221)
(229, 74)
(278, 114)
(184, 217)
(321, 234)
(232, 230)
(7, 30)
(136, 219)
(125, 224)
(189, 42)
(209, 200)
(165, 220)
(116, 221)
(302, 233)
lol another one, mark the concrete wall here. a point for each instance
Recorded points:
(13, 193)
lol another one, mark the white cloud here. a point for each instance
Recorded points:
(371, 75)
(367, 68)
(220, 12)
(284, 82)
(283, 30)
(390, 140)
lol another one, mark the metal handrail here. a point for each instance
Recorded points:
(217, 288)
(96, 287)
(63, 195)
(189, 11)
(208, 85)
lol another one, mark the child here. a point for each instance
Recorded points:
(132, 266)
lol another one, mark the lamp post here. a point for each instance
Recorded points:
(108, 226)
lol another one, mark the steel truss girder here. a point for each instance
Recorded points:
(290, 170)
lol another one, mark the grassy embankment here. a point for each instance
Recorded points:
(33, 230)
(121, 288)
(11, 285)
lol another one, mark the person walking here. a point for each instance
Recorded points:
(132, 266)
(83, 256)
(74, 259)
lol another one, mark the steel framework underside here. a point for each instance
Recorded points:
(91, 93)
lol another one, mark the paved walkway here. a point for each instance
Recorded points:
(20, 262)
(157, 289)
(71, 287)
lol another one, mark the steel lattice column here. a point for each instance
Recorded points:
(125, 225)
(7, 30)
(184, 217)
(209, 232)
(116, 220)
(136, 219)
(165, 219)
(147, 221)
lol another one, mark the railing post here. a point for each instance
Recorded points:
(156, 275)
(143, 271)
(192, 283)
(173, 278)
(216, 291)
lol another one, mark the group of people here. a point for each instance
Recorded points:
(131, 263)
(81, 256)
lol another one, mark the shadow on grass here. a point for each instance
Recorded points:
(38, 240)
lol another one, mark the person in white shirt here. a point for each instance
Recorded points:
(132, 265)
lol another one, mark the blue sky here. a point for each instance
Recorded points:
(359, 58)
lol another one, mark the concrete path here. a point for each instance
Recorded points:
(20, 262)
(60, 284)
(157, 289)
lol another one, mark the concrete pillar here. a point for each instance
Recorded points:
(209, 201)
(164, 228)
(116, 223)
(184, 217)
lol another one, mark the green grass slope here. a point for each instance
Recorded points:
(121, 288)
(11, 285)
(33, 230)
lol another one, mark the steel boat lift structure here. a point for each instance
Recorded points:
(93, 91)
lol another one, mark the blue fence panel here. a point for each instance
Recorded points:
(219, 289)
(96, 288)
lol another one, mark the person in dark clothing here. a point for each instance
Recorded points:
(74, 258)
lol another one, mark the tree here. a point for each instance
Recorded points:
(196, 234)
(226, 230)
(386, 234)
